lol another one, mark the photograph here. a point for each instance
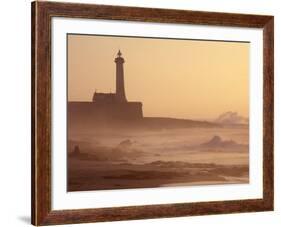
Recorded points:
(149, 112)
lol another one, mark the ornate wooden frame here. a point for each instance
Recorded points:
(42, 12)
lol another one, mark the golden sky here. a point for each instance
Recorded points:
(172, 78)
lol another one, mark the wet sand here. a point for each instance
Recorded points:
(92, 175)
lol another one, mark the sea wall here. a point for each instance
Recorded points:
(80, 113)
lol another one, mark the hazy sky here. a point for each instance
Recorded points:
(172, 78)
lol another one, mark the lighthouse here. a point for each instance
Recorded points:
(109, 107)
(120, 87)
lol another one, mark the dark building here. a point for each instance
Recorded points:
(106, 106)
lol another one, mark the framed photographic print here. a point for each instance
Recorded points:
(144, 113)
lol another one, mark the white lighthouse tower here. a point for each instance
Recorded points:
(120, 87)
